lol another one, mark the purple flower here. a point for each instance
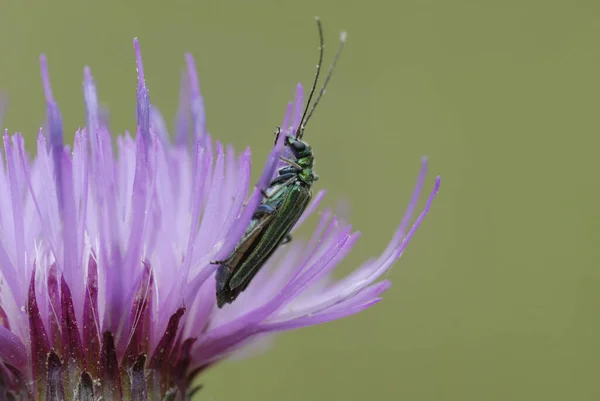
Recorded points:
(106, 282)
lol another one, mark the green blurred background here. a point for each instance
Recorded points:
(498, 296)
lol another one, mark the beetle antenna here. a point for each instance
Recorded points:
(300, 129)
(343, 37)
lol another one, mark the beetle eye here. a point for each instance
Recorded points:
(298, 146)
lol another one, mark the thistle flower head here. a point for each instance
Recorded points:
(106, 283)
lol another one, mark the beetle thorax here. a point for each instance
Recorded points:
(307, 174)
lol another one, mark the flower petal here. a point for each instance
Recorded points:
(12, 350)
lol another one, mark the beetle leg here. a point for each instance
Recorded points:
(286, 239)
(290, 162)
(277, 132)
(263, 209)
